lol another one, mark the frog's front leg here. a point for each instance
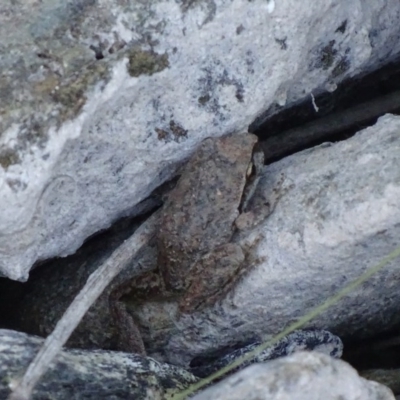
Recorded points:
(212, 277)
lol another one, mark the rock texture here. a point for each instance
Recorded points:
(91, 375)
(336, 214)
(302, 376)
(300, 340)
(388, 377)
(100, 100)
(87, 373)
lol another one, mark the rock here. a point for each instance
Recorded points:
(78, 373)
(335, 214)
(325, 128)
(387, 377)
(53, 286)
(333, 217)
(377, 359)
(81, 374)
(321, 341)
(302, 376)
(100, 101)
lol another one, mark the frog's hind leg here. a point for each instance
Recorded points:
(213, 276)
(138, 288)
(129, 337)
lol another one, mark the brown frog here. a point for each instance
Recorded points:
(197, 263)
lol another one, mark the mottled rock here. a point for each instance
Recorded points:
(335, 213)
(101, 100)
(78, 374)
(314, 340)
(387, 377)
(302, 376)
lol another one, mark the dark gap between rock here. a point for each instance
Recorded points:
(356, 104)
(381, 351)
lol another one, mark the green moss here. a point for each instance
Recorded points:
(174, 131)
(71, 94)
(188, 4)
(208, 6)
(204, 99)
(341, 67)
(328, 54)
(146, 62)
(9, 157)
(5, 381)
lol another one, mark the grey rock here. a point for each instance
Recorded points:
(51, 289)
(302, 376)
(387, 377)
(100, 101)
(321, 341)
(78, 374)
(336, 213)
(333, 216)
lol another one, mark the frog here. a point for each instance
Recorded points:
(197, 262)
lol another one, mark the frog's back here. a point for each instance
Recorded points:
(200, 212)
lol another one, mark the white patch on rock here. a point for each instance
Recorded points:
(302, 376)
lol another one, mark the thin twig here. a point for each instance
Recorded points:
(93, 288)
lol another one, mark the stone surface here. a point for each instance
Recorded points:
(300, 340)
(335, 214)
(51, 289)
(101, 100)
(302, 376)
(387, 377)
(89, 374)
